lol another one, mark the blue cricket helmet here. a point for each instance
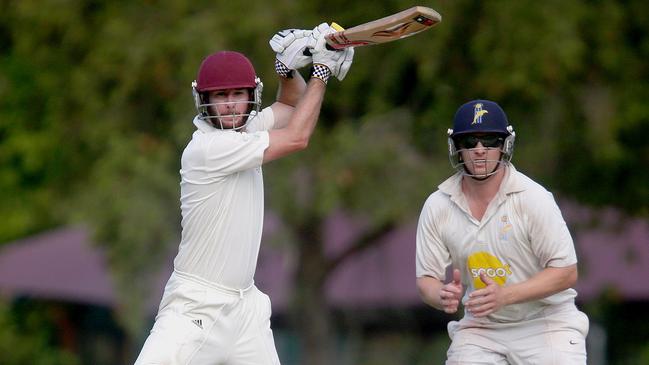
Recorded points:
(480, 116)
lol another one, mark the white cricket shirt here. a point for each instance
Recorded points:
(521, 233)
(222, 202)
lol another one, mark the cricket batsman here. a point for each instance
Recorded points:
(211, 311)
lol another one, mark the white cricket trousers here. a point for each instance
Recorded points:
(200, 323)
(556, 337)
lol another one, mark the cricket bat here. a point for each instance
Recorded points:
(390, 28)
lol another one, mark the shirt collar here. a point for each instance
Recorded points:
(203, 126)
(511, 183)
(206, 127)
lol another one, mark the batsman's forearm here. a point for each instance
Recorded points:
(291, 89)
(307, 111)
(301, 123)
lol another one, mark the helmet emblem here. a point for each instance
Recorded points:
(477, 113)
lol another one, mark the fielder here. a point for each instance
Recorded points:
(211, 312)
(510, 249)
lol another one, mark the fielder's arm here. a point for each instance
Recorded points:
(550, 280)
(445, 297)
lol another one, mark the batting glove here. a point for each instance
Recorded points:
(345, 63)
(289, 44)
(338, 62)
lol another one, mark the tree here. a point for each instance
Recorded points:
(27, 337)
(365, 168)
(95, 108)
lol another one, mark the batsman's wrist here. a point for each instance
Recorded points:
(282, 70)
(320, 72)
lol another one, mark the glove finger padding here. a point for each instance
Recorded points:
(318, 30)
(338, 62)
(284, 38)
(289, 44)
(345, 63)
(315, 35)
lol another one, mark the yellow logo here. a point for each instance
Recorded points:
(505, 227)
(484, 262)
(478, 113)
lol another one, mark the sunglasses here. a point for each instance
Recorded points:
(487, 140)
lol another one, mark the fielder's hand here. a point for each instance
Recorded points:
(338, 62)
(450, 295)
(487, 300)
(289, 44)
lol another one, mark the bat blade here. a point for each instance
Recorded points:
(390, 28)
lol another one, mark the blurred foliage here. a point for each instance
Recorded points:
(95, 109)
(367, 167)
(402, 348)
(627, 329)
(27, 336)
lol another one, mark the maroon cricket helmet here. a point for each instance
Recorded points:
(225, 70)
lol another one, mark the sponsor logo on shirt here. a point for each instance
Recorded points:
(484, 262)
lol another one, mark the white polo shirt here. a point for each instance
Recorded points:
(222, 202)
(521, 233)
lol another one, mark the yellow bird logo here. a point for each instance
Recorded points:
(478, 113)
